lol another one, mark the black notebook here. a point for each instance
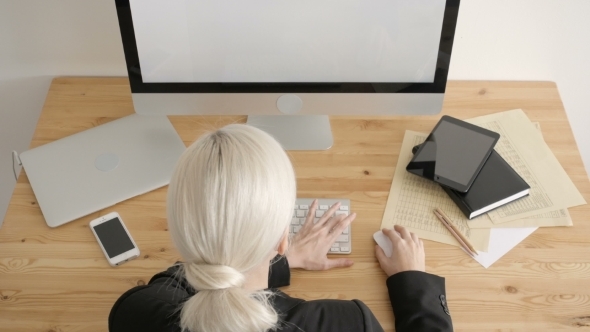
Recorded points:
(496, 184)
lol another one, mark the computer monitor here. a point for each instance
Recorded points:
(290, 62)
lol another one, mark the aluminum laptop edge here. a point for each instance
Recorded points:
(102, 166)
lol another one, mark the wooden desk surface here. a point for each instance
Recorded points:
(58, 280)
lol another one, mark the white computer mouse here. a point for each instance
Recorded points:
(384, 242)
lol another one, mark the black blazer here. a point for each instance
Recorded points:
(418, 301)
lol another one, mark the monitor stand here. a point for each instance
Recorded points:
(296, 132)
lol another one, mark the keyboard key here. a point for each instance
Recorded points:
(296, 207)
(296, 229)
(335, 245)
(345, 231)
(324, 207)
(344, 249)
(334, 249)
(319, 213)
(301, 221)
(342, 238)
(295, 221)
(340, 213)
(300, 213)
(344, 208)
(304, 207)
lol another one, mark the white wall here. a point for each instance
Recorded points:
(495, 39)
(530, 40)
(40, 39)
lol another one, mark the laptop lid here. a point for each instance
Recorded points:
(102, 166)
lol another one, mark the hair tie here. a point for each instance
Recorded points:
(205, 277)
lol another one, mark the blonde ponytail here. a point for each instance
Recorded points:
(230, 201)
(222, 305)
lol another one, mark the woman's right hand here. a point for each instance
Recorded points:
(309, 247)
(407, 254)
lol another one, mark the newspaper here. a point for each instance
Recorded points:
(560, 217)
(523, 147)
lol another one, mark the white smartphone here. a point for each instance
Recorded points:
(114, 239)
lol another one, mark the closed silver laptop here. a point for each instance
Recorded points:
(102, 166)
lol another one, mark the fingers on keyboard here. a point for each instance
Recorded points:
(332, 215)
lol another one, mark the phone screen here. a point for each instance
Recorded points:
(113, 237)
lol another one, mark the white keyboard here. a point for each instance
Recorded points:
(343, 244)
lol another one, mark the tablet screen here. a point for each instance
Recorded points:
(454, 153)
(460, 152)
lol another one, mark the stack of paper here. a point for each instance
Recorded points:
(412, 199)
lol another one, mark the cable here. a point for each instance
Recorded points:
(15, 156)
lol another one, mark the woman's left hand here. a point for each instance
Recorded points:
(309, 247)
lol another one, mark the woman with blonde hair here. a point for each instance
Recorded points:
(230, 203)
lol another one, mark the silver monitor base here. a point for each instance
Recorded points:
(296, 132)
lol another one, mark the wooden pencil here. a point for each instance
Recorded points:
(448, 220)
(454, 232)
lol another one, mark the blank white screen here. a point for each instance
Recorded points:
(287, 40)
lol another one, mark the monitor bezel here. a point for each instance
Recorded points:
(437, 86)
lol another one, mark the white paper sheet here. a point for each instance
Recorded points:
(502, 240)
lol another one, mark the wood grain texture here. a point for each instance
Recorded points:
(58, 280)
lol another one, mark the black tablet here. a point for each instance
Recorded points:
(454, 153)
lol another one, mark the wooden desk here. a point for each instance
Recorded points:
(58, 280)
